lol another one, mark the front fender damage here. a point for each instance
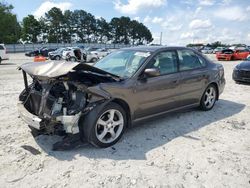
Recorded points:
(59, 104)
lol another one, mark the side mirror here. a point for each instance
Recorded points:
(152, 72)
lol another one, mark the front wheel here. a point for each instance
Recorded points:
(94, 59)
(58, 58)
(209, 98)
(106, 127)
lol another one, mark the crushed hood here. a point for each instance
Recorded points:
(54, 69)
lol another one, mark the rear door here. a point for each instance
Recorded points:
(157, 94)
(193, 77)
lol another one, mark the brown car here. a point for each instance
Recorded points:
(128, 85)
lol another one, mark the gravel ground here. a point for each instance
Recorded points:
(185, 149)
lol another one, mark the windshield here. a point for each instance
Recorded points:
(123, 63)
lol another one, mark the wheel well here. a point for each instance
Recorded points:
(217, 89)
(126, 108)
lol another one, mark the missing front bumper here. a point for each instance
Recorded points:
(70, 123)
(27, 117)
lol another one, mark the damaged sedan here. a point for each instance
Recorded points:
(99, 102)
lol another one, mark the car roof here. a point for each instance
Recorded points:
(154, 48)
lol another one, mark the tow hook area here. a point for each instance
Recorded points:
(70, 123)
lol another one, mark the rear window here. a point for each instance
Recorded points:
(189, 60)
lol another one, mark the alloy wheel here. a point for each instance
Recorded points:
(109, 126)
(210, 97)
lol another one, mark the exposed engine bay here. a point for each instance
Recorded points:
(55, 104)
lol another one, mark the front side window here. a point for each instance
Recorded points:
(166, 62)
(189, 60)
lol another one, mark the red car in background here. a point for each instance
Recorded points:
(228, 55)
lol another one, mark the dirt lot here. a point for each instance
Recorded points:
(186, 149)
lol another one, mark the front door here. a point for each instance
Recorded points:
(157, 94)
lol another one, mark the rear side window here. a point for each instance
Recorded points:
(166, 62)
(189, 60)
(1, 47)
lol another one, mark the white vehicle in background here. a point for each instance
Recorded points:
(3, 54)
(66, 52)
(207, 50)
(218, 49)
(77, 54)
(102, 52)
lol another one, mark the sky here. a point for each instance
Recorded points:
(180, 21)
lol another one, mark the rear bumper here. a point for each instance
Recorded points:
(27, 117)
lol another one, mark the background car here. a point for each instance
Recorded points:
(57, 54)
(226, 55)
(74, 54)
(3, 54)
(230, 55)
(241, 54)
(102, 52)
(218, 49)
(207, 50)
(44, 51)
(241, 72)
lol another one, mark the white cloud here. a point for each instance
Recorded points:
(231, 14)
(187, 35)
(207, 2)
(200, 24)
(47, 5)
(248, 8)
(154, 20)
(133, 6)
(157, 20)
(171, 24)
(197, 11)
(226, 2)
(137, 18)
(147, 19)
(248, 37)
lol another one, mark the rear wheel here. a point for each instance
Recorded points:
(0, 60)
(72, 59)
(209, 98)
(58, 58)
(106, 127)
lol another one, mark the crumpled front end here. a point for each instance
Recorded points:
(54, 105)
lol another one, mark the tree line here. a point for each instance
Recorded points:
(216, 44)
(70, 26)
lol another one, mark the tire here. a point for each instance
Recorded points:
(0, 60)
(73, 59)
(209, 98)
(57, 58)
(35, 132)
(94, 59)
(101, 131)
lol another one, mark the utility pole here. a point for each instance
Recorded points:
(161, 39)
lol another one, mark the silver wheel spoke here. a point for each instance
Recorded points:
(112, 132)
(103, 134)
(112, 114)
(101, 122)
(115, 123)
